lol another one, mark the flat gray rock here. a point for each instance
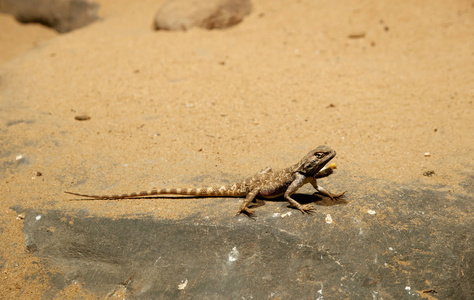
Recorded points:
(414, 244)
(209, 14)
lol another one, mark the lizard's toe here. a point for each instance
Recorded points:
(338, 196)
(306, 208)
(247, 211)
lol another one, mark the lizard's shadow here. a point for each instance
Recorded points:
(300, 198)
(306, 199)
(258, 201)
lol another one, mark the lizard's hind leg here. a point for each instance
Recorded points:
(244, 207)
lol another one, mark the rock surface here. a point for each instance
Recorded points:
(62, 15)
(396, 251)
(212, 14)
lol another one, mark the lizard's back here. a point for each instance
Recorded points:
(270, 184)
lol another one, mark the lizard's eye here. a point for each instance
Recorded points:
(318, 154)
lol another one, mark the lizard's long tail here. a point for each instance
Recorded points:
(222, 191)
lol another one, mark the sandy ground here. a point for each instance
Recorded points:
(381, 82)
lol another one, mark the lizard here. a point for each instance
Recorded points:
(265, 184)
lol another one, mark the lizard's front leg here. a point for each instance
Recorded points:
(320, 190)
(326, 171)
(299, 181)
(266, 170)
(244, 207)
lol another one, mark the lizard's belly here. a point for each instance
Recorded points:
(273, 191)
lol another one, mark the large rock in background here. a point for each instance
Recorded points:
(209, 14)
(62, 15)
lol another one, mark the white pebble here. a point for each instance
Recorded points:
(328, 219)
(234, 254)
(183, 285)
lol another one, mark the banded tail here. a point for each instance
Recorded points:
(222, 191)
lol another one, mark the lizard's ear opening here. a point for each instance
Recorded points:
(305, 167)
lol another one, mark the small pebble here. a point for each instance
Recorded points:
(82, 117)
(183, 285)
(429, 173)
(357, 35)
(427, 154)
(328, 219)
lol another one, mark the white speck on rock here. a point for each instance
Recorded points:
(183, 284)
(328, 219)
(233, 255)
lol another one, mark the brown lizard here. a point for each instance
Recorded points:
(265, 184)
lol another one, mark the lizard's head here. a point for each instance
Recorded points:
(315, 160)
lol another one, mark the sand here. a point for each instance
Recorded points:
(388, 85)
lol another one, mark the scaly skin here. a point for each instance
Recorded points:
(265, 184)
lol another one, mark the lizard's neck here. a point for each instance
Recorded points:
(294, 168)
(297, 168)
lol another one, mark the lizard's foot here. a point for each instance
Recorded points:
(306, 208)
(247, 211)
(335, 197)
